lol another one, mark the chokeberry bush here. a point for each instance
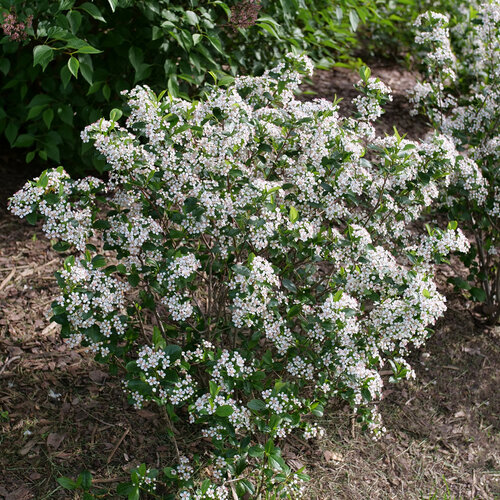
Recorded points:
(460, 94)
(248, 258)
(65, 62)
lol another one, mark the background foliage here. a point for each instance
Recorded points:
(69, 68)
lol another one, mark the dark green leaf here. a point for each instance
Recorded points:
(48, 116)
(73, 65)
(42, 55)
(224, 411)
(478, 293)
(289, 285)
(256, 404)
(91, 9)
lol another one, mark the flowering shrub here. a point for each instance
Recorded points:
(461, 97)
(248, 258)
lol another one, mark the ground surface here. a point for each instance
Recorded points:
(61, 413)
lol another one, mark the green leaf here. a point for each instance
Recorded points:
(35, 111)
(43, 180)
(158, 340)
(460, 283)
(248, 486)
(367, 395)
(353, 19)
(75, 20)
(67, 483)
(289, 285)
(169, 67)
(294, 310)
(365, 73)
(73, 65)
(191, 17)
(216, 43)
(270, 29)
(86, 478)
(106, 91)
(115, 114)
(30, 156)
(256, 404)
(226, 80)
(173, 85)
(94, 87)
(256, 451)
(65, 76)
(87, 72)
(98, 261)
(88, 49)
(42, 55)
(32, 218)
(214, 388)
(276, 462)
(48, 116)
(134, 494)
(478, 293)
(224, 411)
(113, 4)
(269, 446)
(318, 410)
(4, 66)
(294, 215)
(204, 485)
(91, 9)
(11, 131)
(66, 4)
(124, 489)
(65, 113)
(133, 279)
(244, 271)
(24, 141)
(61, 246)
(136, 57)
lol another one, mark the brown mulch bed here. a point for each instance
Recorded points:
(339, 82)
(61, 413)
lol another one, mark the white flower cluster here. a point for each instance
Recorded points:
(369, 105)
(53, 198)
(434, 33)
(230, 365)
(93, 301)
(238, 415)
(313, 431)
(178, 303)
(213, 492)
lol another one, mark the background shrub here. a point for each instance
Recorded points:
(69, 60)
(460, 94)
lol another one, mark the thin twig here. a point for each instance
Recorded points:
(127, 430)
(6, 281)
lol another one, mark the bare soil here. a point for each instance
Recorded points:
(61, 413)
